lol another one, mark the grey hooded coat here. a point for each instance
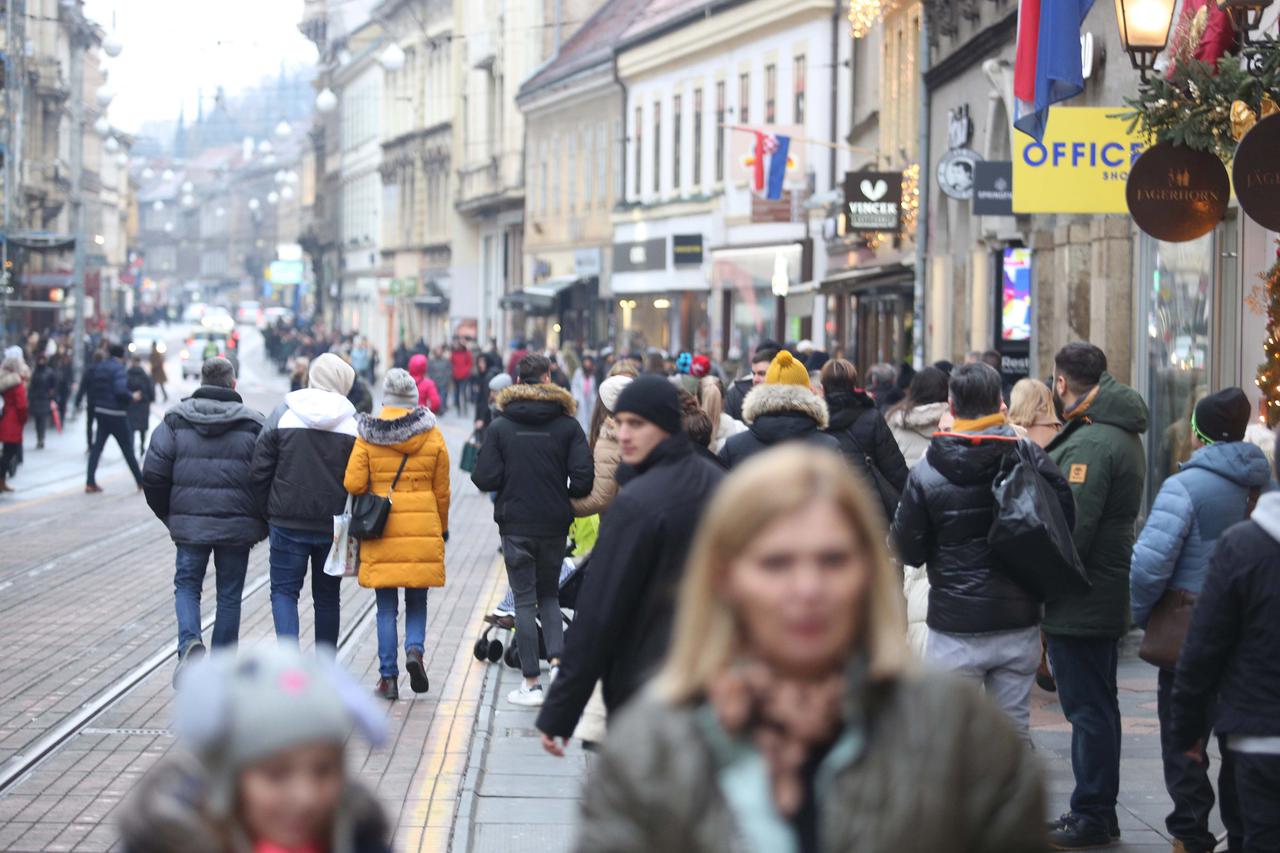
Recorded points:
(196, 473)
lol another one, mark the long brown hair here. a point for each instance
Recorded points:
(711, 399)
(707, 634)
(599, 413)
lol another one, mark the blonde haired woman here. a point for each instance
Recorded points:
(1031, 407)
(787, 717)
(723, 425)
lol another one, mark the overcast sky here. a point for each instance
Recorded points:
(173, 48)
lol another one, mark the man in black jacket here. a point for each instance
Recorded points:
(531, 450)
(865, 439)
(740, 388)
(298, 466)
(1230, 655)
(196, 480)
(782, 409)
(622, 626)
(109, 397)
(982, 625)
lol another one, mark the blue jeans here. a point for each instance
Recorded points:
(291, 550)
(415, 626)
(1085, 669)
(230, 565)
(117, 427)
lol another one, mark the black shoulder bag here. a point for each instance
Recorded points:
(369, 511)
(887, 493)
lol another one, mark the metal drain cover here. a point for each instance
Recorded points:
(128, 732)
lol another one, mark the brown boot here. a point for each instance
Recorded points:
(387, 689)
(5, 487)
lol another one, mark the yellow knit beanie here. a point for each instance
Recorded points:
(785, 370)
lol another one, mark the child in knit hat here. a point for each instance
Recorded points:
(260, 764)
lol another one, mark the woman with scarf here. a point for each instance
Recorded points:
(787, 716)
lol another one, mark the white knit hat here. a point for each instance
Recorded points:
(330, 373)
(610, 389)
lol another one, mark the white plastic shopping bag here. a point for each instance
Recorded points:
(344, 555)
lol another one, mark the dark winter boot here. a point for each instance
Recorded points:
(387, 689)
(417, 671)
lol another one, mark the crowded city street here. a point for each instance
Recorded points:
(616, 426)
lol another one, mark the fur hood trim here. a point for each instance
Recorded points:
(542, 393)
(394, 430)
(920, 418)
(780, 399)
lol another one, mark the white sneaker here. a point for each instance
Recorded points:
(530, 697)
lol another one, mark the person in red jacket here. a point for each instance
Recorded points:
(462, 368)
(428, 394)
(14, 418)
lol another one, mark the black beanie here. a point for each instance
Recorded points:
(654, 399)
(1224, 416)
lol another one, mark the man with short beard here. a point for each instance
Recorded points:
(1100, 452)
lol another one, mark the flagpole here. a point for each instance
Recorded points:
(836, 146)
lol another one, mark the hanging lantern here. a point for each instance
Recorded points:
(112, 145)
(105, 95)
(283, 130)
(1144, 30)
(392, 58)
(111, 45)
(102, 127)
(1245, 15)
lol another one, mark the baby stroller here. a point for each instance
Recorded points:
(503, 619)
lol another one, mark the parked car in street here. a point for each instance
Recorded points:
(196, 349)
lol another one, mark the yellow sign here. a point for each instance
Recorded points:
(1080, 167)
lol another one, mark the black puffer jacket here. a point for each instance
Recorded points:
(943, 520)
(139, 411)
(1231, 648)
(775, 414)
(301, 458)
(860, 428)
(533, 448)
(736, 395)
(108, 387)
(196, 473)
(627, 602)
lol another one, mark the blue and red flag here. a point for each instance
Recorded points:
(777, 148)
(1047, 66)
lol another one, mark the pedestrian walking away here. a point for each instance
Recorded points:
(401, 452)
(1216, 488)
(197, 480)
(982, 625)
(261, 763)
(158, 376)
(605, 453)
(782, 409)
(142, 395)
(1100, 452)
(462, 367)
(298, 467)
(42, 397)
(622, 624)
(109, 398)
(533, 448)
(1228, 678)
(786, 716)
(83, 397)
(864, 437)
(13, 419)
(584, 389)
(428, 392)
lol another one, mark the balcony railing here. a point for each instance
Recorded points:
(495, 179)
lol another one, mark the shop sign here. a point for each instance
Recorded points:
(1081, 166)
(993, 188)
(873, 201)
(1256, 173)
(285, 272)
(959, 127)
(640, 256)
(1176, 194)
(586, 262)
(686, 249)
(955, 172)
(394, 287)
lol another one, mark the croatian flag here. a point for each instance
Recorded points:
(1047, 67)
(776, 148)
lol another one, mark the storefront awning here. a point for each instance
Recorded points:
(658, 281)
(551, 288)
(869, 276)
(540, 298)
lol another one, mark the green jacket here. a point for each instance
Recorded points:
(1100, 453)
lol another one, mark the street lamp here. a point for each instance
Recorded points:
(102, 127)
(326, 101)
(1245, 15)
(111, 45)
(392, 58)
(1144, 30)
(112, 145)
(105, 95)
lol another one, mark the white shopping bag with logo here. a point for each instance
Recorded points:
(344, 555)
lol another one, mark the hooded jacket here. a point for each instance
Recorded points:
(14, 417)
(43, 387)
(736, 395)
(301, 458)
(860, 428)
(664, 779)
(1193, 508)
(165, 813)
(139, 411)
(626, 606)
(428, 393)
(775, 414)
(533, 447)
(196, 474)
(1230, 651)
(1100, 453)
(108, 384)
(605, 456)
(913, 429)
(943, 520)
(410, 552)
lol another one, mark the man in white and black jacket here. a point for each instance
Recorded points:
(298, 466)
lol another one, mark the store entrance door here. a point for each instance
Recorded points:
(881, 326)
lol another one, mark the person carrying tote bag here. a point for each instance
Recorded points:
(402, 442)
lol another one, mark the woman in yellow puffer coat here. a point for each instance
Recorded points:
(410, 553)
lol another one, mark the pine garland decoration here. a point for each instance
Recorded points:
(1192, 108)
(1268, 378)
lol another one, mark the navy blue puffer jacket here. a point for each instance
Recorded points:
(108, 382)
(197, 471)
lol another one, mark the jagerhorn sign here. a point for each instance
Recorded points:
(1176, 194)
(1256, 172)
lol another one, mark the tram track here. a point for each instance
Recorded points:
(16, 768)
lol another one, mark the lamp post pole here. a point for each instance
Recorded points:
(78, 47)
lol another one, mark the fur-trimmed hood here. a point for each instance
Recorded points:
(535, 404)
(396, 427)
(785, 400)
(922, 419)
